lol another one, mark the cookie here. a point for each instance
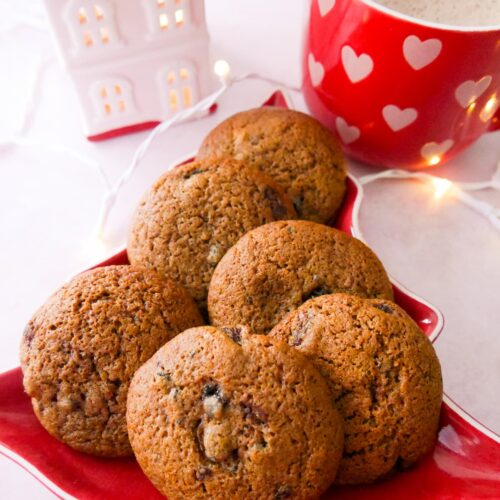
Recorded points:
(293, 148)
(195, 213)
(383, 373)
(221, 413)
(275, 268)
(82, 347)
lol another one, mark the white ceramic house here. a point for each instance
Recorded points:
(133, 62)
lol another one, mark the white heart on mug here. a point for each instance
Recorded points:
(325, 6)
(470, 90)
(418, 53)
(348, 133)
(398, 118)
(316, 71)
(435, 149)
(356, 67)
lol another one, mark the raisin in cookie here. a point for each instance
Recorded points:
(221, 413)
(82, 347)
(293, 148)
(194, 214)
(384, 375)
(275, 268)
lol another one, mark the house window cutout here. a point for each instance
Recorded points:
(167, 15)
(91, 23)
(113, 98)
(178, 86)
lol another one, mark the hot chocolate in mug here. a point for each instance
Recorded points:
(399, 90)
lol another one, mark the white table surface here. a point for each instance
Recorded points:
(49, 203)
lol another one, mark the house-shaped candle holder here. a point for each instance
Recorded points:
(133, 63)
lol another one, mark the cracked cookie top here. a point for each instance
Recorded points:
(384, 375)
(80, 350)
(220, 413)
(195, 213)
(297, 151)
(275, 268)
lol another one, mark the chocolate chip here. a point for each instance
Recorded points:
(384, 307)
(193, 173)
(277, 208)
(252, 411)
(234, 333)
(315, 292)
(165, 376)
(211, 389)
(28, 335)
(202, 473)
(283, 491)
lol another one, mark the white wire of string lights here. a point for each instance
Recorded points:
(442, 187)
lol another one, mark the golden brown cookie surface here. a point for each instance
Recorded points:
(82, 347)
(293, 148)
(195, 213)
(275, 268)
(220, 413)
(384, 375)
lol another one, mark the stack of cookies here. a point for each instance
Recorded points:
(250, 350)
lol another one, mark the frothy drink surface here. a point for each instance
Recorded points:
(454, 12)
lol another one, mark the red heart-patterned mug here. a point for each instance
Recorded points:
(400, 91)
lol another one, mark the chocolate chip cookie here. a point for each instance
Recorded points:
(384, 375)
(293, 148)
(82, 347)
(275, 268)
(194, 214)
(221, 413)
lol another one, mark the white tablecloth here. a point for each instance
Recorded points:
(49, 203)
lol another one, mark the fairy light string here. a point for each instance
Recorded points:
(459, 190)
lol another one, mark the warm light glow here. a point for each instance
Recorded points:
(222, 68)
(98, 12)
(173, 99)
(163, 21)
(186, 96)
(107, 109)
(489, 108)
(104, 35)
(441, 187)
(161, 3)
(184, 73)
(434, 160)
(471, 107)
(104, 92)
(121, 105)
(82, 16)
(87, 39)
(171, 77)
(118, 89)
(179, 17)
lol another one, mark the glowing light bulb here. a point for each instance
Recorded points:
(434, 160)
(222, 69)
(441, 187)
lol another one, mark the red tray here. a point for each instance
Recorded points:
(464, 464)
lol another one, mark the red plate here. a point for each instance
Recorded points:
(464, 464)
